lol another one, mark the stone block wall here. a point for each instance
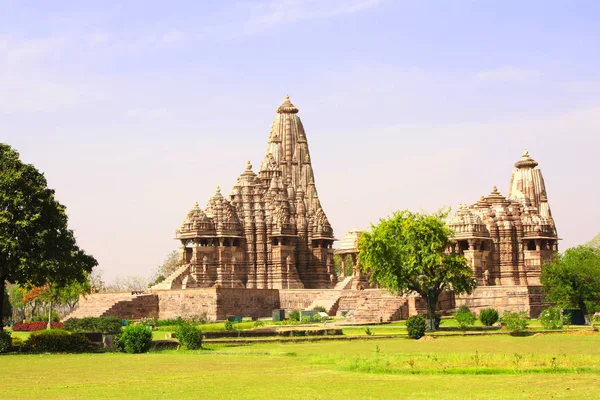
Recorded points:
(187, 303)
(298, 299)
(255, 303)
(506, 298)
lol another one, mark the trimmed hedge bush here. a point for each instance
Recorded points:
(56, 341)
(515, 321)
(489, 316)
(464, 317)
(189, 335)
(5, 342)
(416, 326)
(135, 339)
(35, 326)
(94, 324)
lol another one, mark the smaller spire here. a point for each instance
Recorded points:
(196, 205)
(248, 166)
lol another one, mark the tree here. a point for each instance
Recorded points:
(572, 279)
(36, 246)
(170, 265)
(407, 253)
(595, 242)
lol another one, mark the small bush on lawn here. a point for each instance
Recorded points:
(306, 319)
(189, 335)
(464, 317)
(34, 326)
(94, 324)
(295, 315)
(317, 318)
(488, 316)
(552, 318)
(17, 343)
(135, 339)
(56, 341)
(5, 342)
(416, 326)
(515, 321)
(258, 323)
(228, 325)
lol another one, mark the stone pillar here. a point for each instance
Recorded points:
(343, 265)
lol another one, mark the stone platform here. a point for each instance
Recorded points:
(359, 306)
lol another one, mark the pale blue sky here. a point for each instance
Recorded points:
(136, 109)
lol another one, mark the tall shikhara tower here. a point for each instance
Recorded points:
(271, 232)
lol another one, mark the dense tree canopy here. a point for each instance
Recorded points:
(36, 246)
(572, 279)
(407, 253)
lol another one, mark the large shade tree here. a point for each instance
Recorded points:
(36, 245)
(407, 253)
(572, 279)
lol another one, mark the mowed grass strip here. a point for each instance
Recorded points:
(319, 370)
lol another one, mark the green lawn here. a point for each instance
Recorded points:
(483, 367)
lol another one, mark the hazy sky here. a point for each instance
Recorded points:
(134, 110)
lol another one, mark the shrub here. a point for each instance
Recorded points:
(464, 317)
(44, 318)
(319, 309)
(189, 335)
(228, 325)
(317, 318)
(552, 318)
(416, 326)
(306, 319)
(56, 341)
(135, 339)
(295, 315)
(5, 342)
(94, 324)
(258, 323)
(17, 343)
(515, 321)
(488, 316)
(35, 326)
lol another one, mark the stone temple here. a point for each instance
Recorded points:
(271, 233)
(507, 240)
(269, 246)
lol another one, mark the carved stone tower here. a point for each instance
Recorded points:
(271, 232)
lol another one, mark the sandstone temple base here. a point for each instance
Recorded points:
(360, 306)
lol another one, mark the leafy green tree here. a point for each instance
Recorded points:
(6, 311)
(407, 253)
(595, 242)
(572, 279)
(36, 246)
(170, 265)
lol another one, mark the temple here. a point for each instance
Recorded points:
(507, 240)
(271, 233)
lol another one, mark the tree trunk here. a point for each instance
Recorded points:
(586, 316)
(1, 304)
(49, 326)
(431, 300)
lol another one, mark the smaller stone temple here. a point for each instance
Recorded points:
(508, 239)
(348, 253)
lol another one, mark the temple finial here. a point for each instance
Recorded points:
(196, 205)
(525, 153)
(287, 107)
(248, 166)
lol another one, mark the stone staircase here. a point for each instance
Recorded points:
(372, 305)
(329, 299)
(346, 283)
(173, 281)
(120, 305)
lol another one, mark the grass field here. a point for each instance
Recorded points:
(485, 367)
